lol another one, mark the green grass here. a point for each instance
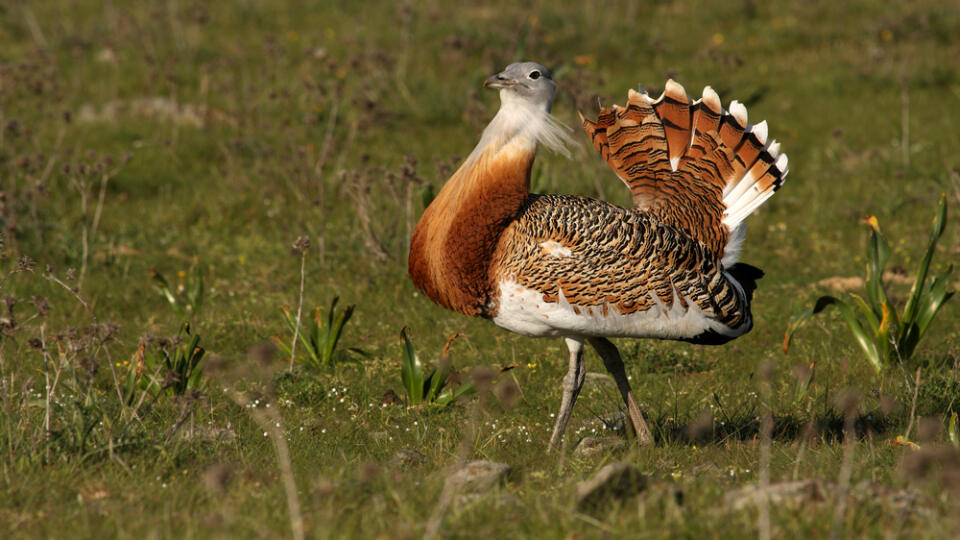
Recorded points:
(277, 120)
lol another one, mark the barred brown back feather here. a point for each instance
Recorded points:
(620, 261)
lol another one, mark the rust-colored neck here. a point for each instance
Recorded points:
(453, 244)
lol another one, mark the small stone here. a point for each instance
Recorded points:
(405, 459)
(706, 468)
(812, 491)
(107, 56)
(616, 482)
(794, 493)
(903, 501)
(476, 476)
(208, 434)
(594, 446)
(498, 500)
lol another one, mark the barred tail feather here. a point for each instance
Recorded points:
(757, 190)
(673, 109)
(693, 165)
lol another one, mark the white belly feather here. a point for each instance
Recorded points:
(523, 311)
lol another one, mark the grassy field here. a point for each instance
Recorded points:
(194, 139)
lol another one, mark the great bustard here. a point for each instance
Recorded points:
(583, 269)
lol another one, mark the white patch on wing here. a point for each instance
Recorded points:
(524, 311)
(555, 249)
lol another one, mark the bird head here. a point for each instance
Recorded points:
(526, 82)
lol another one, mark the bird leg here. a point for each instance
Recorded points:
(611, 360)
(572, 383)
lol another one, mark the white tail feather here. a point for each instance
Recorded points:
(760, 130)
(743, 196)
(738, 188)
(739, 112)
(774, 148)
(731, 251)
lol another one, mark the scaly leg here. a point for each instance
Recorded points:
(611, 359)
(572, 383)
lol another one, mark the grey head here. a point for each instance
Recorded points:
(526, 81)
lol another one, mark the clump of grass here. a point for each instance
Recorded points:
(168, 365)
(186, 299)
(431, 388)
(77, 406)
(884, 334)
(320, 336)
(77, 419)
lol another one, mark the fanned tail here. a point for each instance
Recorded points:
(693, 165)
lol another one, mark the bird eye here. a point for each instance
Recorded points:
(534, 75)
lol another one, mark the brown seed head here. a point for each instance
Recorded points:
(301, 245)
(262, 353)
(701, 427)
(766, 370)
(507, 392)
(324, 488)
(888, 405)
(928, 429)
(848, 401)
(217, 477)
(367, 472)
(803, 371)
(482, 377)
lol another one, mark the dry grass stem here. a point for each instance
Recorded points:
(913, 405)
(766, 436)
(848, 403)
(358, 188)
(268, 419)
(303, 277)
(905, 121)
(74, 292)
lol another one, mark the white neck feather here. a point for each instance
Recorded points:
(524, 123)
